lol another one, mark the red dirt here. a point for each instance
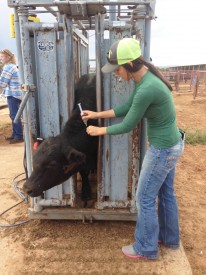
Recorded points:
(71, 247)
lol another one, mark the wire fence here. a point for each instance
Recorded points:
(193, 81)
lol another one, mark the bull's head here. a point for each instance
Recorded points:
(52, 165)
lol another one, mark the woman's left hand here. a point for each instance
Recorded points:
(96, 131)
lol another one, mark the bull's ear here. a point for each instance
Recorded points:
(75, 156)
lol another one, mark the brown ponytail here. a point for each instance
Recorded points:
(137, 65)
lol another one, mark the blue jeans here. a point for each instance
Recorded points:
(157, 180)
(13, 105)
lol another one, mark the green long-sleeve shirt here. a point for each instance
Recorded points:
(152, 100)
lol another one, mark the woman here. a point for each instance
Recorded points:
(153, 100)
(9, 81)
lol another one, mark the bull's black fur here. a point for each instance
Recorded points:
(60, 157)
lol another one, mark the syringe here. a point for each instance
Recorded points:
(81, 112)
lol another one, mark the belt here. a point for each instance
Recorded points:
(182, 132)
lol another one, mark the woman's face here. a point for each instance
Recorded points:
(122, 72)
(4, 58)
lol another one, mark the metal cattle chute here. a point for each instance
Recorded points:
(51, 57)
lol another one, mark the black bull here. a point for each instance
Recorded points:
(58, 158)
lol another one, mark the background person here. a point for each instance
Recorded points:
(9, 81)
(153, 100)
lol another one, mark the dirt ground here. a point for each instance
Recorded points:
(71, 247)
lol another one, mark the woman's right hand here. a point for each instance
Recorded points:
(89, 115)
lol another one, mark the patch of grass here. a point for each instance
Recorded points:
(195, 137)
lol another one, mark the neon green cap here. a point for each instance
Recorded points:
(122, 52)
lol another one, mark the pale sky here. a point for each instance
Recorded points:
(177, 36)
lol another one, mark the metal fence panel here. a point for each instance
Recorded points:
(58, 55)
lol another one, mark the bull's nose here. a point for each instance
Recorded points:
(27, 190)
(29, 193)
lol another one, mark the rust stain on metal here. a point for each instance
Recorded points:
(107, 155)
(114, 204)
(99, 171)
(133, 172)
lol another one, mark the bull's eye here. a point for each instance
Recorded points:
(68, 168)
(52, 164)
(65, 169)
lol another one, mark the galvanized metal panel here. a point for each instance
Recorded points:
(116, 148)
(106, 169)
(83, 214)
(63, 97)
(80, 9)
(46, 70)
(119, 146)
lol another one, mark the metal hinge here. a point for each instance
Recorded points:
(28, 88)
